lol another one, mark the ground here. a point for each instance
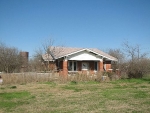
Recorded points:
(128, 95)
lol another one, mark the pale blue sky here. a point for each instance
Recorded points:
(99, 24)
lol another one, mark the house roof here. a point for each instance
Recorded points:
(59, 52)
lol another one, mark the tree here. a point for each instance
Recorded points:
(117, 53)
(131, 60)
(47, 51)
(137, 63)
(10, 59)
(35, 64)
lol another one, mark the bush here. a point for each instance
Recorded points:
(138, 68)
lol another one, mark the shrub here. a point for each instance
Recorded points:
(138, 68)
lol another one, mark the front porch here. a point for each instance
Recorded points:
(72, 67)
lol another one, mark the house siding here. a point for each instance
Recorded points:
(108, 65)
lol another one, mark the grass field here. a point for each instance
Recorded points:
(121, 96)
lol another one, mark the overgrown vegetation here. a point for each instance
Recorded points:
(24, 78)
(10, 59)
(125, 95)
(131, 61)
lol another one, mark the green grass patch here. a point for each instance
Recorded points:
(115, 94)
(140, 94)
(11, 100)
(13, 95)
(7, 104)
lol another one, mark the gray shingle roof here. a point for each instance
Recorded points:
(59, 52)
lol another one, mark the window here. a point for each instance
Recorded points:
(85, 65)
(95, 66)
(75, 66)
(72, 66)
(60, 65)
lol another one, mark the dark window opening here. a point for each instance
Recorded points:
(95, 66)
(75, 67)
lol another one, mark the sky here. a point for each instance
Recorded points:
(102, 24)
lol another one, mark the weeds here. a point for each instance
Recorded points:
(24, 78)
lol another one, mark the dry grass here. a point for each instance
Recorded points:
(77, 97)
(23, 78)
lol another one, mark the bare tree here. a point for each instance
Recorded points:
(131, 60)
(133, 52)
(117, 53)
(36, 64)
(137, 63)
(49, 52)
(10, 59)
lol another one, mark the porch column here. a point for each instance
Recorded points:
(101, 66)
(65, 68)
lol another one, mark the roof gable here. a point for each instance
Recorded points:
(59, 52)
(84, 55)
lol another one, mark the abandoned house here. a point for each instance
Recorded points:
(69, 60)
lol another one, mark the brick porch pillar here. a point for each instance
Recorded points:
(65, 68)
(101, 66)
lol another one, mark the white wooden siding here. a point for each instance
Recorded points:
(84, 55)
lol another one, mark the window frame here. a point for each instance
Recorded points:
(73, 66)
